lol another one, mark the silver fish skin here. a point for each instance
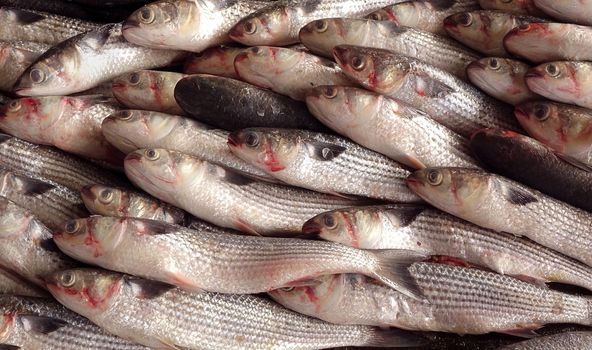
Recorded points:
(190, 25)
(447, 54)
(426, 15)
(122, 202)
(27, 247)
(52, 204)
(279, 23)
(88, 60)
(36, 324)
(502, 78)
(479, 197)
(560, 341)
(72, 124)
(148, 90)
(430, 231)
(458, 300)
(389, 126)
(563, 81)
(544, 42)
(572, 11)
(445, 98)
(157, 316)
(520, 7)
(215, 61)
(224, 263)
(288, 72)
(15, 57)
(13, 284)
(224, 197)
(134, 129)
(41, 27)
(314, 161)
(48, 163)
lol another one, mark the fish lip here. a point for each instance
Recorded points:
(21, 91)
(241, 57)
(235, 32)
(449, 22)
(413, 181)
(133, 157)
(117, 85)
(339, 53)
(129, 24)
(520, 113)
(533, 74)
(476, 65)
(233, 140)
(87, 192)
(311, 228)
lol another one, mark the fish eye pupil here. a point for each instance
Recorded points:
(134, 78)
(357, 63)
(255, 49)
(14, 106)
(106, 195)
(250, 27)
(321, 26)
(434, 177)
(376, 16)
(125, 115)
(494, 63)
(252, 140)
(552, 69)
(330, 92)
(287, 289)
(37, 76)
(329, 221)
(541, 112)
(67, 279)
(152, 154)
(71, 226)
(465, 19)
(146, 15)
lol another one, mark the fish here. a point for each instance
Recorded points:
(217, 61)
(502, 78)
(288, 72)
(323, 163)
(189, 25)
(562, 81)
(26, 246)
(435, 233)
(15, 57)
(58, 7)
(520, 7)
(544, 42)
(568, 11)
(323, 35)
(130, 130)
(426, 15)
(279, 23)
(484, 30)
(458, 300)
(479, 197)
(389, 126)
(562, 127)
(72, 124)
(40, 27)
(565, 340)
(224, 197)
(13, 284)
(49, 163)
(524, 159)
(169, 317)
(34, 323)
(87, 60)
(445, 98)
(148, 90)
(231, 104)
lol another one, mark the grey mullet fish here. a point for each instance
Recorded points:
(15, 58)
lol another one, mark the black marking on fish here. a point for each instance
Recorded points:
(147, 289)
(26, 17)
(519, 196)
(404, 216)
(4, 137)
(441, 5)
(41, 324)
(237, 179)
(30, 186)
(96, 39)
(49, 245)
(9, 347)
(310, 5)
(154, 227)
(324, 151)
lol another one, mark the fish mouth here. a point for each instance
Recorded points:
(311, 228)
(449, 22)
(130, 24)
(476, 65)
(339, 53)
(236, 32)
(233, 140)
(117, 85)
(520, 113)
(533, 74)
(87, 192)
(133, 157)
(241, 57)
(414, 181)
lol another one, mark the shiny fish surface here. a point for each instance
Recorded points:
(521, 7)
(323, 35)
(13, 284)
(15, 57)
(216, 61)
(157, 316)
(448, 100)
(560, 341)
(572, 11)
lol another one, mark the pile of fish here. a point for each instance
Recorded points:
(295, 174)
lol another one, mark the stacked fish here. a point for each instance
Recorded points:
(295, 174)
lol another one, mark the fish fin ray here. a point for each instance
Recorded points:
(24, 17)
(29, 186)
(147, 289)
(155, 227)
(404, 216)
(574, 162)
(40, 324)
(518, 196)
(393, 270)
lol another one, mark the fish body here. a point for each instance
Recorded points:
(520, 7)
(13, 284)
(217, 61)
(563, 81)
(560, 341)
(15, 57)
(569, 11)
(323, 35)
(445, 98)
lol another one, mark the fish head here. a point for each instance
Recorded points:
(271, 25)
(496, 74)
(134, 86)
(533, 39)
(554, 78)
(215, 60)
(155, 23)
(259, 64)
(15, 221)
(85, 291)
(34, 115)
(542, 120)
(405, 13)
(105, 200)
(322, 35)
(482, 30)
(268, 149)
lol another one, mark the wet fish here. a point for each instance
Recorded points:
(226, 198)
(171, 318)
(479, 197)
(59, 7)
(278, 24)
(315, 161)
(216, 61)
(560, 341)
(502, 78)
(133, 129)
(87, 60)
(448, 100)
(485, 30)
(189, 25)
(564, 128)
(15, 57)
(323, 35)
(569, 11)
(48, 163)
(288, 72)
(148, 90)
(13, 284)
(544, 42)
(521, 7)
(41, 27)
(426, 15)
(33, 323)
(458, 300)
(72, 124)
(388, 126)
(231, 104)
(566, 81)
(430, 231)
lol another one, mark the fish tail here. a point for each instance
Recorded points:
(393, 270)
(392, 337)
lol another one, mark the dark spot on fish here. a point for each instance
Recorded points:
(519, 196)
(48, 245)
(26, 17)
(310, 5)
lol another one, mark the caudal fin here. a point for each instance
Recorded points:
(393, 270)
(395, 338)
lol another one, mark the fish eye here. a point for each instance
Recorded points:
(330, 92)
(152, 154)
(255, 50)
(375, 16)
(287, 289)
(524, 27)
(329, 221)
(552, 70)
(494, 64)
(67, 279)
(250, 27)
(147, 15)
(125, 115)
(434, 177)
(37, 76)
(134, 79)
(72, 226)
(252, 139)
(465, 19)
(358, 63)
(321, 26)
(541, 112)
(14, 106)
(106, 196)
